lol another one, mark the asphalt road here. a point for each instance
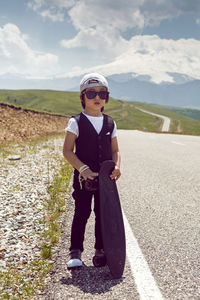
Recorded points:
(160, 196)
(166, 120)
(159, 190)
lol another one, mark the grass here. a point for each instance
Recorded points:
(24, 281)
(68, 103)
(179, 123)
(188, 112)
(125, 113)
(7, 149)
(55, 207)
(56, 102)
(128, 117)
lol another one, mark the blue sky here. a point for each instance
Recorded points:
(64, 38)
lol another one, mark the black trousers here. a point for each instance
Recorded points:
(83, 201)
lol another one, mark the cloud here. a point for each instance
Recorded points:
(54, 17)
(17, 57)
(115, 13)
(55, 10)
(97, 40)
(198, 21)
(142, 55)
(101, 25)
(154, 57)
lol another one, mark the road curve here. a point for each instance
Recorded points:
(166, 124)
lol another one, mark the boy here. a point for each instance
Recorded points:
(94, 135)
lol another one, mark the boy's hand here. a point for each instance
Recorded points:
(88, 174)
(115, 173)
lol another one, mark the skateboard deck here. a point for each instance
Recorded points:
(112, 224)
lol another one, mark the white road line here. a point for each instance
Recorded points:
(146, 285)
(177, 143)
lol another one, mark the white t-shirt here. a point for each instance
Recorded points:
(97, 122)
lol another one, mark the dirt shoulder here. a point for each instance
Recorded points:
(17, 124)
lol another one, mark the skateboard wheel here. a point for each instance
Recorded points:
(99, 261)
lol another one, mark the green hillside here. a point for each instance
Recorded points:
(63, 103)
(179, 123)
(68, 103)
(188, 112)
(126, 115)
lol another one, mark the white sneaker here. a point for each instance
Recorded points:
(75, 259)
(74, 263)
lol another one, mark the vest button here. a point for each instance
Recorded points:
(100, 147)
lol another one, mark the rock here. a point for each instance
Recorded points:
(2, 255)
(2, 249)
(2, 265)
(14, 157)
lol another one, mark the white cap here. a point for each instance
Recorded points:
(91, 80)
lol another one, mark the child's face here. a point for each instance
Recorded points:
(97, 102)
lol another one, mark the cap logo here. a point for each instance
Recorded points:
(93, 81)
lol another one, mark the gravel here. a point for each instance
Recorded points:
(25, 176)
(159, 191)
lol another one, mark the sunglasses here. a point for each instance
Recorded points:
(92, 94)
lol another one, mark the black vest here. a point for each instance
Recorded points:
(93, 148)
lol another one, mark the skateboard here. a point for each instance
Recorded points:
(112, 224)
